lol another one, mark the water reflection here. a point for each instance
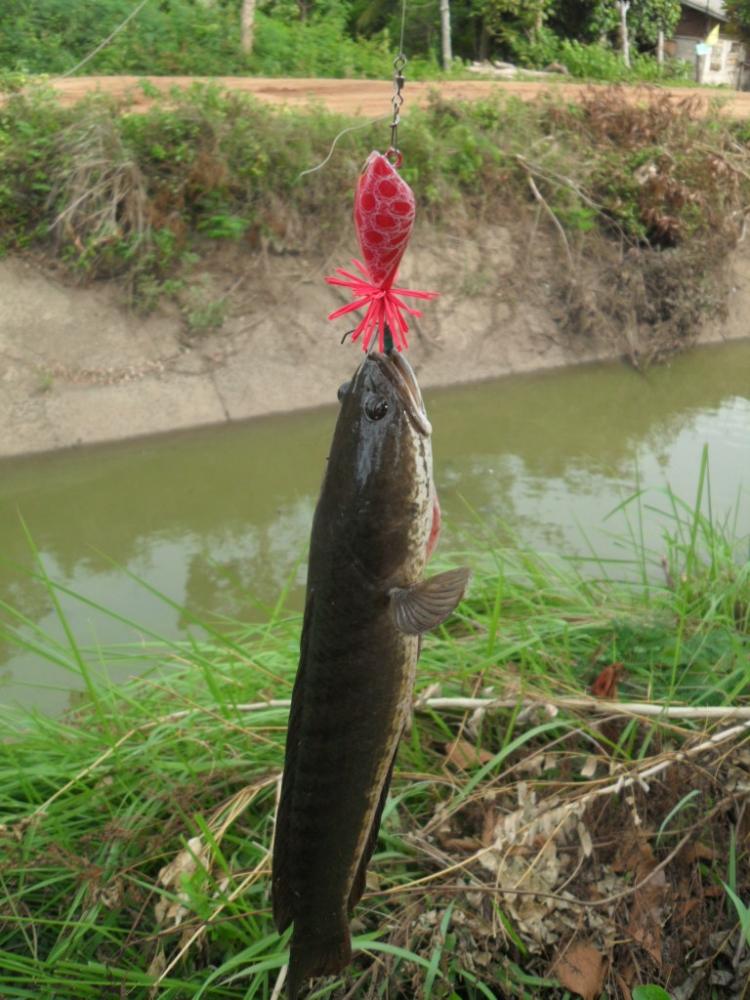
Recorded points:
(219, 520)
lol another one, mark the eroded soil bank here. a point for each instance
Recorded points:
(78, 366)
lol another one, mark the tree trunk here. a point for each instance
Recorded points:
(624, 6)
(660, 47)
(445, 32)
(538, 22)
(247, 25)
(484, 43)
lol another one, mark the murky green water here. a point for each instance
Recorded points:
(219, 520)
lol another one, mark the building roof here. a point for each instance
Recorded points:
(714, 8)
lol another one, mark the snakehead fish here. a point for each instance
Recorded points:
(367, 605)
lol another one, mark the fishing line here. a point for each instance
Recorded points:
(397, 101)
(403, 25)
(342, 133)
(106, 41)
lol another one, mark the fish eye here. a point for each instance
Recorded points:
(342, 390)
(376, 407)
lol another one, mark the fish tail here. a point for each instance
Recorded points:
(317, 951)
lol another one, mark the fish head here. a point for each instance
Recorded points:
(380, 468)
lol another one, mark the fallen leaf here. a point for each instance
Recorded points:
(111, 895)
(471, 844)
(194, 855)
(531, 765)
(646, 920)
(464, 755)
(624, 988)
(605, 685)
(646, 917)
(686, 907)
(589, 767)
(700, 852)
(156, 968)
(584, 836)
(582, 969)
(158, 964)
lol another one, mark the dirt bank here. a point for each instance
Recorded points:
(77, 367)
(371, 98)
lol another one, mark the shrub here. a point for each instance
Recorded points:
(52, 36)
(594, 61)
(318, 47)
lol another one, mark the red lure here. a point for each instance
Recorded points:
(384, 218)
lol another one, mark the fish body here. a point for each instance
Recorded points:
(366, 608)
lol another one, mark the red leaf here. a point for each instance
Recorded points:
(605, 685)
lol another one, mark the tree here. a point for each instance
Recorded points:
(247, 25)
(509, 19)
(650, 17)
(738, 12)
(445, 33)
(644, 19)
(623, 7)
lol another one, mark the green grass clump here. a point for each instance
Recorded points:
(136, 831)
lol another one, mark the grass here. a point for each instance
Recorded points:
(136, 831)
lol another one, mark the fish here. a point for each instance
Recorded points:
(366, 609)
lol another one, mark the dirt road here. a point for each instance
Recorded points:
(368, 98)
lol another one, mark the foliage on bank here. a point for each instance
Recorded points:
(135, 833)
(656, 189)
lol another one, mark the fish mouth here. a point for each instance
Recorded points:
(399, 373)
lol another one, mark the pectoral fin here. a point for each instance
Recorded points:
(419, 608)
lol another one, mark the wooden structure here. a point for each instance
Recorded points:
(703, 38)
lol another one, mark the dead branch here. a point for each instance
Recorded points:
(598, 705)
(552, 705)
(704, 713)
(542, 201)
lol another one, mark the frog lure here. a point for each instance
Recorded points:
(384, 213)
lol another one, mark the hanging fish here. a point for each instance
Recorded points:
(367, 605)
(384, 213)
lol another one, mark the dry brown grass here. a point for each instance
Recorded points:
(103, 191)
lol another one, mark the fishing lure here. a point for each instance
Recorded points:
(384, 213)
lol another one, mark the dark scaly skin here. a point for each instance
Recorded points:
(356, 674)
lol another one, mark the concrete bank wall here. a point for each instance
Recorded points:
(77, 367)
